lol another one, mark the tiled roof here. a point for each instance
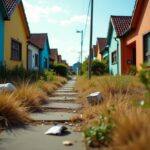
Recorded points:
(9, 6)
(101, 43)
(38, 39)
(121, 24)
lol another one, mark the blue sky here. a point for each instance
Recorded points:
(61, 18)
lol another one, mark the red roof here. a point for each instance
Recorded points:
(10, 5)
(101, 43)
(38, 39)
(121, 24)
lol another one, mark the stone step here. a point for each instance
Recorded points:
(65, 94)
(56, 105)
(62, 98)
(52, 116)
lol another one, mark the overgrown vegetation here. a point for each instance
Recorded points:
(102, 130)
(98, 67)
(32, 91)
(61, 70)
(131, 121)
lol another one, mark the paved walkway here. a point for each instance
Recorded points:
(61, 107)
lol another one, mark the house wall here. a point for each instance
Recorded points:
(34, 51)
(16, 29)
(113, 47)
(142, 27)
(44, 54)
(105, 54)
(1, 39)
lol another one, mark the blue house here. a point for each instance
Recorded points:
(3, 16)
(118, 25)
(41, 40)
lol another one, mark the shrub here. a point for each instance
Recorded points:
(145, 78)
(61, 70)
(98, 67)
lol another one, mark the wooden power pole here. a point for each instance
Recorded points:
(91, 38)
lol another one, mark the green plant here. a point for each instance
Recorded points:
(61, 70)
(133, 70)
(145, 78)
(101, 134)
(98, 67)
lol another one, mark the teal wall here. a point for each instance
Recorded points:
(1, 39)
(113, 47)
(105, 54)
(44, 54)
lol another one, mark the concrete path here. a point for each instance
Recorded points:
(61, 107)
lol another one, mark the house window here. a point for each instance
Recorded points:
(16, 50)
(147, 48)
(114, 57)
(45, 62)
(36, 60)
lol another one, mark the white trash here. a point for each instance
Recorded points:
(95, 98)
(55, 130)
(9, 87)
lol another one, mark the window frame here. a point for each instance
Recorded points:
(36, 60)
(145, 55)
(19, 51)
(112, 58)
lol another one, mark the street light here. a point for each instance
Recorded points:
(81, 32)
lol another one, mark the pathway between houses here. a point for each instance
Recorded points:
(61, 107)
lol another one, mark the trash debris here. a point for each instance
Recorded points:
(8, 87)
(67, 143)
(56, 130)
(95, 98)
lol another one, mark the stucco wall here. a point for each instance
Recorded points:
(1, 39)
(15, 28)
(113, 47)
(34, 51)
(142, 27)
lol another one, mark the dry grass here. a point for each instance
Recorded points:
(50, 87)
(132, 130)
(30, 96)
(11, 112)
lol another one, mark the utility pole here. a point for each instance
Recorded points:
(91, 38)
(81, 32)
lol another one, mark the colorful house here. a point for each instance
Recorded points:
(118, 25)
(16, 34)
(59, 59)
(41, 40)
(136, 47)
(33, 56)
(100, 45)
(3, 16)
(54, 55)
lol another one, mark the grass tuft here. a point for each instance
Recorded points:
(11, 112)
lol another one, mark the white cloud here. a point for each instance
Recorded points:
(75, 19)
(37, 12)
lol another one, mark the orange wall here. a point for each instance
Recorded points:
(98, 55)
(142, 27)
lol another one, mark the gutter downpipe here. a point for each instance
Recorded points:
(117, 55)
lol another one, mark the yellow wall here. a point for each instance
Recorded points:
(16, 29)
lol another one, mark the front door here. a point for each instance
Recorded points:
(134, 56)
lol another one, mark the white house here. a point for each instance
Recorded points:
(33, 56)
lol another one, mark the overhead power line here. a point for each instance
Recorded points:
(87, 19)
